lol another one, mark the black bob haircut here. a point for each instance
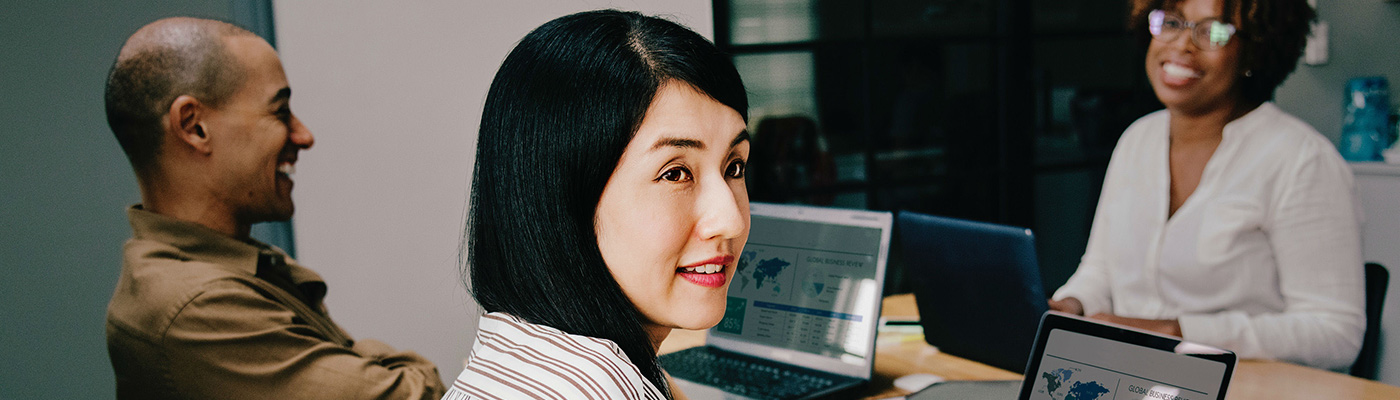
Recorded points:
(560, 112)
(1272, 35)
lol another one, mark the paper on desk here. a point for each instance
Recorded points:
(898, 334)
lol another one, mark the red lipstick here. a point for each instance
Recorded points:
(711, 280)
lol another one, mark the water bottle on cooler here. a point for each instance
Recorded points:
(1365, 119)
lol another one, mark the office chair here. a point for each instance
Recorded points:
(1377, 280)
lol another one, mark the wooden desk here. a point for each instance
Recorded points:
(1261, 380)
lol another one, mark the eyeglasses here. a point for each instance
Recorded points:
(1208, 34)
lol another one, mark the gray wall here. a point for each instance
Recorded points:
(63, 186)
(1365, 41)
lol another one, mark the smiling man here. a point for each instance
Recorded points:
(201, 310)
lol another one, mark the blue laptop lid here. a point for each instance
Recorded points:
(977, 286)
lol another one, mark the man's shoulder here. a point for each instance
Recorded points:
(159, 272)
(157, 283)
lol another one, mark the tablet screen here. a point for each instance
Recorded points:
(1084, 367)
(1085, 360)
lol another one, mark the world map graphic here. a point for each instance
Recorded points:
(1078, 390)
(764, 273)
(739, 271)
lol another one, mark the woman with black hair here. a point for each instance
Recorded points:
(608, 206)
(1223, 219)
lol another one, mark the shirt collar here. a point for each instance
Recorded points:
(200, 243)
(1266, 111)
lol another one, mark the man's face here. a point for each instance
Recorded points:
(255, 138)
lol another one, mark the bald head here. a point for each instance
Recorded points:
(160, 62)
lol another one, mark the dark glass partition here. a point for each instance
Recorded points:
(994, 110)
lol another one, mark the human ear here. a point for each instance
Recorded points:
(186, 121)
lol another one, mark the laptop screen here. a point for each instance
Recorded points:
(1103, 363)
(808, 285)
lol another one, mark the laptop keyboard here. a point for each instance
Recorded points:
(742, 376)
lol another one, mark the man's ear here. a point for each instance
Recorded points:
(187, 122)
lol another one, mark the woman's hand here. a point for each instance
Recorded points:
(1067, 305)
(1166, 326)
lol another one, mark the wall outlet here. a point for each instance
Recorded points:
(1316, 51)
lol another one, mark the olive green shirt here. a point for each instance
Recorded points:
(200, 315)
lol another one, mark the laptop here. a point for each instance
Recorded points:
(802, 310)
(1078, 358)
(977, 286)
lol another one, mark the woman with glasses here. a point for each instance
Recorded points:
(1223, 219)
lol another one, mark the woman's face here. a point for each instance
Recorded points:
(1187, 78)
(675, 213)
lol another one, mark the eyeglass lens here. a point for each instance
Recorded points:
(1209, 34)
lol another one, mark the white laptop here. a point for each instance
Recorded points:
(803, 308)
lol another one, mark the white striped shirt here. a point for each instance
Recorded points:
(514, 359)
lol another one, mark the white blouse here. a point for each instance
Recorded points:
(1264, 258)
(514, 359)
